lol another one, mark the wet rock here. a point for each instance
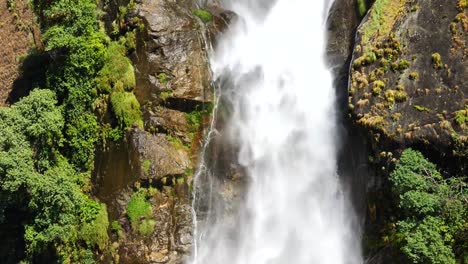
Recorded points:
(157, 157)
(169, 121)
(408, 78)
(171, 53)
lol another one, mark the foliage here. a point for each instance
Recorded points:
(204, 15)
(126, 109)
(138, 208)
(433, 210)
(117, 73)
(49, 189)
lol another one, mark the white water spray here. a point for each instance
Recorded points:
(283, 121)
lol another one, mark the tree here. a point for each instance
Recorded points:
(434, 211)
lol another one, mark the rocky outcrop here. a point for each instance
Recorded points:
(408, 76)
(407, 88)
(157, 156)
(173, 85)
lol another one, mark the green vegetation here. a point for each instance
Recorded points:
(146, 166)
(117, 73)
(38, 179)
(138, 209)
(176, 142)
(204, 15)
(49, 137)
(414, 75)
(421, 108)
(117, 228)
(433, 223)
(146, 227)
(162, 77)
(361, 7)
(377, 87)
(461, 116)
(126, 109)
(382, 17)
(437, 61)
(395, 96)
(164, 95)
(400, 65)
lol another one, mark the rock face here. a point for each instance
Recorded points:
(407, 88)
(174, 59)
(174, 88)
(408, 77)
(156, 156)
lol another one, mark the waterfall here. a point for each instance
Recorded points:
(275, 83)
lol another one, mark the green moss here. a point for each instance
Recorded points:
(421, 108)
(94, 232)
(377, 87)
(414, 75)
(146, 227)
(400, 65)
(204, 15)
(146, 166)
(117, 228)
(138, 208)
(176, 142)
(395, 96)
(162, 77)
(382, 17)
(164, 95)
(437, 61)
(118, 73)
(126, 109)
(461, 116)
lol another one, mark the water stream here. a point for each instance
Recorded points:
(279, 94)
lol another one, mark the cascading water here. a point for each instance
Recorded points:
(281, 98)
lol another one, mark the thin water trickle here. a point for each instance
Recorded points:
(282, 120)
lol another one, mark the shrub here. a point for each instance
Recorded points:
(433, 210)
(94, 229)
(126, 109)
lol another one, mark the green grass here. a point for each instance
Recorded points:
(138, 208)
(204, 15)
